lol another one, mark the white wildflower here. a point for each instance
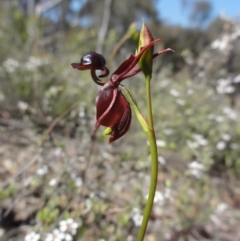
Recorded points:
(56, 235)
(196, 169)
(230, 113)
(168, 194)
(200, 139)
(10, 65)
(229, 89)
(57, 151)
(161, 143)
(68, 237)
(222, 84)
(1, 232)
(68, 226)
(22, 106)
(192, 144)
(221, 207)
(221, 145)
(168, 131)
(32, 237)
(226, 136)
(35, 62)
(174, 92)
(219, 118)
(78, 182)
(53, 182)
(180, 102)
(236, 79)
(161, 160)
(42, 170)
(159, 198)
(137, 217)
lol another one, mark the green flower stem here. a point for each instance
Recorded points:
(149, 101)
(149, 130)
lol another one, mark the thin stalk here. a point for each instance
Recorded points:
(153, 149)
(154, 167)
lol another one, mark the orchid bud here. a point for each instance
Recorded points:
(145, 62)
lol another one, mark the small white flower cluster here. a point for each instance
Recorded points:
(214, 217)
(67, 229)
(224, 86)
(225, 42)
(174, 93)
(22, 106)
(222, 144)
(230, 113)
(161, 143)
(161, 197)
(35, 62)
(137, 217)
(198, 140)
(42, 170)
(196, 169)
(32, 236)
(10, 65)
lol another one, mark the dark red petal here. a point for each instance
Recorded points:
(109, 106)
(136, 69)
(80, 66)
(123, 124)
(126, 69)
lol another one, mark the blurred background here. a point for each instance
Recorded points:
(60, 182)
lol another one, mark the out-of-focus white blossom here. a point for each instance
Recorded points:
(53, 182)
(42, 170)
(137, 217)
(200, 139)
(236, 79)
(224, 86)
(159, 198)
(221, 145)
(32, 237)
(1, 232)
(161, 143)
(174, 92)
(58, 151)
(68, 226)
(219, 118)
(229, 89)
(192, 144)
(68, 237)
(226, 136)
(34, 62)
(230, 113)
(78, 181)
(180, 102)
(22, 106)
(221, 207)
(161, 160)
(55, 235)
(168, 131)
(196, 169)
(10, 65)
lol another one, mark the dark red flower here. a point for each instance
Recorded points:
(113, 110)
